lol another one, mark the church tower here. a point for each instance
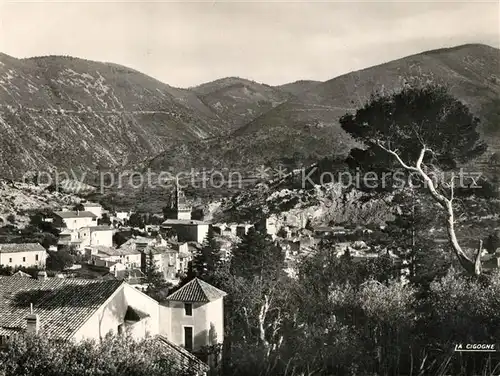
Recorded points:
(181, 208)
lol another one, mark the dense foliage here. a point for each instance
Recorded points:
(114, 356)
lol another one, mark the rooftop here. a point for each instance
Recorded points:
(109, 251)
(91, 205)
(20, 247)
(197, 291)
(100, 228)
(63, 305)
(75, 214)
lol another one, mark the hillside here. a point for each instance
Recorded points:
(239, 101)
(306, 128)
(19, 200)
(62, 112)
(298, 87)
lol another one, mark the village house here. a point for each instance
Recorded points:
(269, 224)
(139, 243)
(122, 216)
(78, 309)
(74, 220)
(69, 238)
(171, 259)
(23, 254)
(133, 276)
(105, 256)
(186, 230)
(93, 208)
(96, 235)
(195, 315)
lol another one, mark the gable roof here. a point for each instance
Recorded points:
(74, 214)
(183, 359)
(20, 273)
(63, 305)
(197, 291)
(109, 251)
(21, 247)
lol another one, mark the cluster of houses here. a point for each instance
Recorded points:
(69, 307)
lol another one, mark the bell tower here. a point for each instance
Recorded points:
(181, 208)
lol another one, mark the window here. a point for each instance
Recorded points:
(188, 309)
(10, 259)
(24, 259)
(36, 257)
(188, 338)
(120, 329)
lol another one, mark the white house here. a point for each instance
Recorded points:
(122, 216)
(96, 235)
(194, 315)
(93, 208)
(187, 230)
(103, 256)
(78, 309)
(171, 259)
(23, 254)
(74, 220)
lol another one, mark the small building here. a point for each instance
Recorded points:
(94, 208)
(186, 230)
(122, 216)
(23, 254)
(171, 259)
(74, 220)
(195, 315)
(105, 256)
(270, 224)
(96, 235)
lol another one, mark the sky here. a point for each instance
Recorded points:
(186, 43)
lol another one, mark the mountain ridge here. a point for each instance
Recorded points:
(306, 128)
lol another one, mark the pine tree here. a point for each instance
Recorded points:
(408, 236)
(154, 277)
(256, 255)
(206, 260)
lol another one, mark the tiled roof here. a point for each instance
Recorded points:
(20, 247)
(108, 251)
(74, 214)
(197, 291)
(63, 305)
(183, 359)
(20, 273)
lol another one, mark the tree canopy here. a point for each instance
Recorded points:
(424, 132)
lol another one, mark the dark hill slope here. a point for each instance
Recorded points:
(62, 112)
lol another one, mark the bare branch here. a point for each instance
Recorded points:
(405, 166)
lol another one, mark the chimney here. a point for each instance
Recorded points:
(32, 322)
(42, 275)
